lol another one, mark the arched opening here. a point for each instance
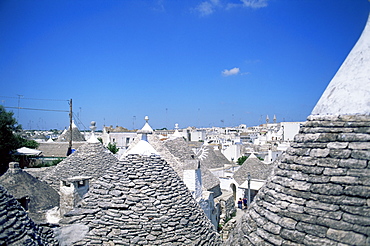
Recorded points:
(233, 188)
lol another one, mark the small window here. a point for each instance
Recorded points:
(24, 202)
(81, 183)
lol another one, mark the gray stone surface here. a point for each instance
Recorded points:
(211, 158)
(16, 228)
(256, 168)
(177, 153)
(66, 136)
(146, 203)
(315, 199)
(90, 159)
(20, 184)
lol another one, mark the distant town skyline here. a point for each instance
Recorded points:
(196, 63)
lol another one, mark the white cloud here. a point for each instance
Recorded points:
(254, 4)
(207, 7)
(233, 71)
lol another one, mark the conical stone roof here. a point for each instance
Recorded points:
(319, 193)
(66, 135)
(90, 159)
(211, 158)
(142, 201)
(16, 228)
(177, 153)
(256, 168)
(21, 184)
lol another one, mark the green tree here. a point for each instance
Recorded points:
(9, 141)
(32, 144)
(241, 160)
(112, 147)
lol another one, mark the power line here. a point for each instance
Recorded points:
(77, 119)
(55, 110)
(41, 99)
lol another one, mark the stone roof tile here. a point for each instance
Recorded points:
(256, 168)
(315, 198)
(21, 184)
(16, 228)
(146, 204)
(90, 159)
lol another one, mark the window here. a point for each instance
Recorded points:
(81, 183)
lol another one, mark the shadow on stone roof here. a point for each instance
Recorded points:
(17, 228)
(41, 197)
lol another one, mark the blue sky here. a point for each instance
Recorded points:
(195, 63)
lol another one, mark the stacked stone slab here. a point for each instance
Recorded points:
(91, 159)
(142, 201)
(319, 193)
(21, 184)
(16, 228)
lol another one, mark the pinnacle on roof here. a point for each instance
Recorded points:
(146, 128)
(349, 90)
(93, 138)
(176, 134)
(143, 147)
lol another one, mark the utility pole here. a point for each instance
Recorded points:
(249, 190)
(69, 151)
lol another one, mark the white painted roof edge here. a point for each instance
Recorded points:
(348, 93)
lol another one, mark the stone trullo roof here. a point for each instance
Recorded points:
(66, 135)
(16, 228)
(256, 168)
(21, 184)
(176, 152)
(90, 159)
(210, 159)
(142, 201)
(319, 193)
(57, 149)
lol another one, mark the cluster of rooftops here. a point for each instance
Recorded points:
(318, 194)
